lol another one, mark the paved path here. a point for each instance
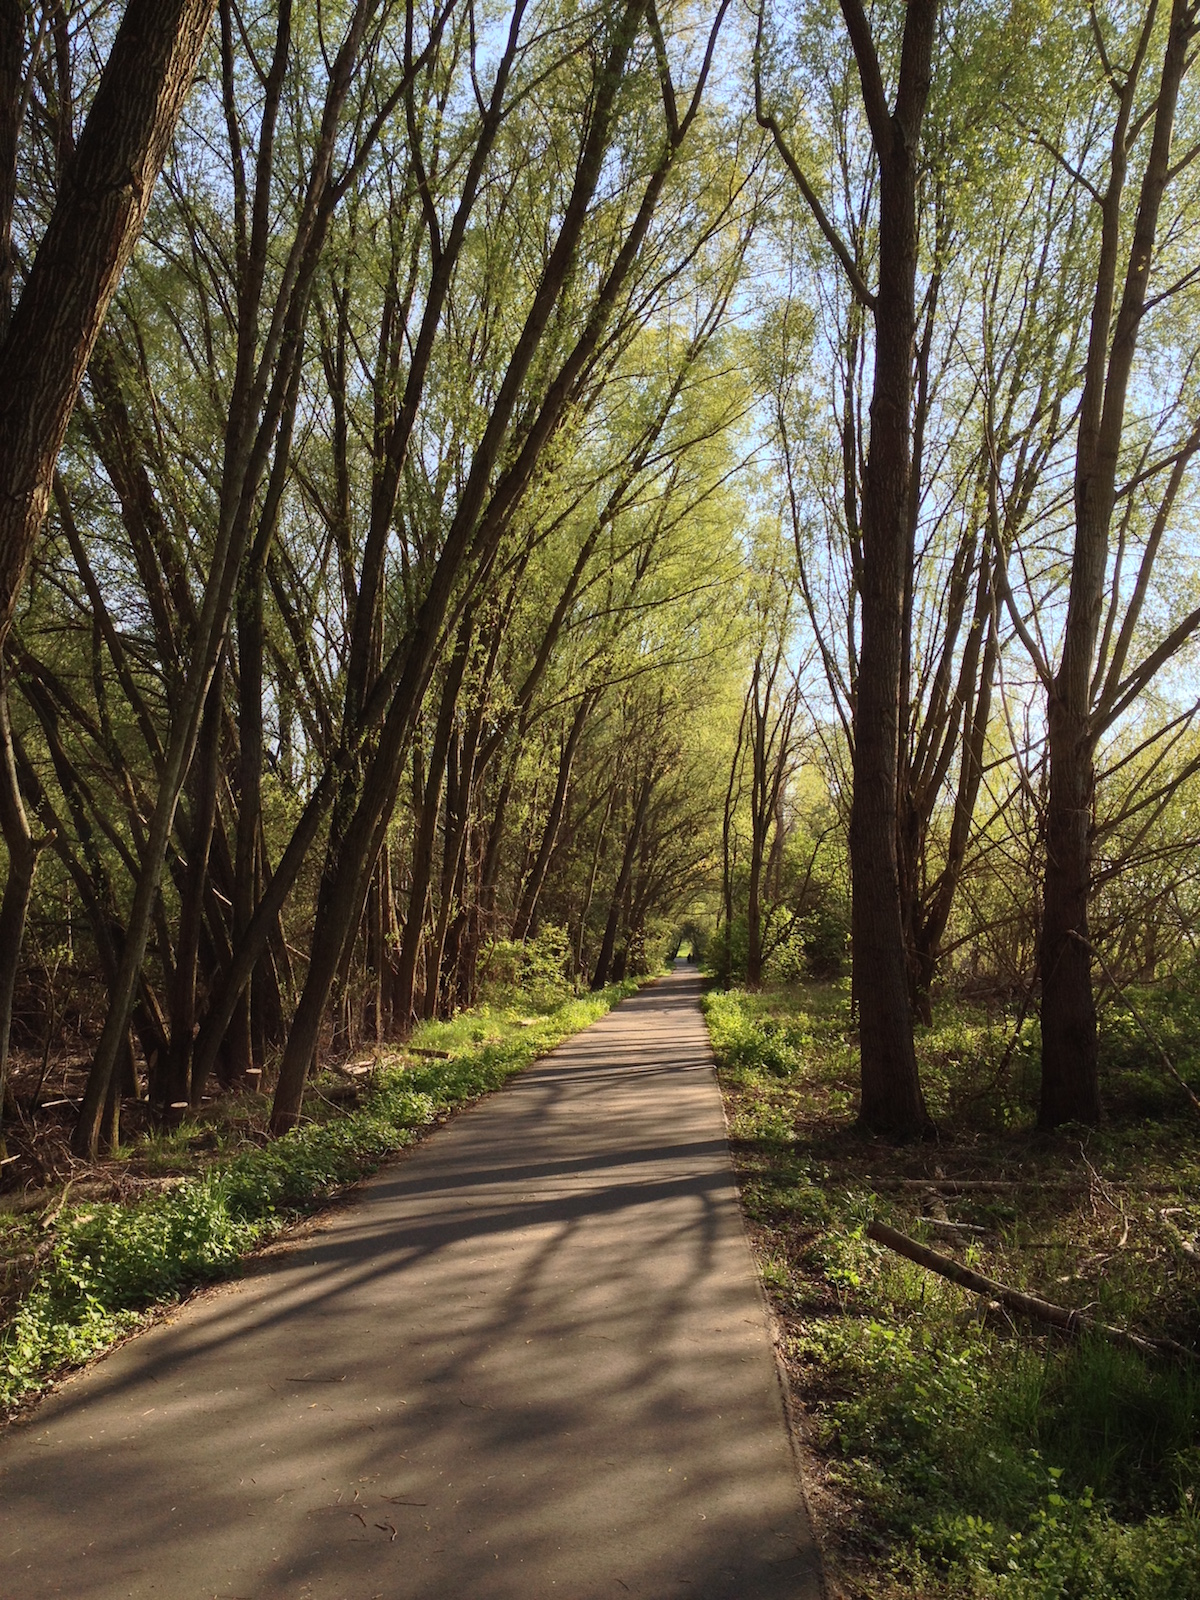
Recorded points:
(532, 1361)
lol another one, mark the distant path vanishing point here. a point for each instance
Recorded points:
(532, 1360)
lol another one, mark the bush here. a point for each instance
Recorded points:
(537, 971)
(992, 1463)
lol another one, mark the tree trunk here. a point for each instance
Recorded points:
(527, 909)
(604, 961)
(18, 886)
(1070, 1046)
(175, 1083)
(590, 893)
(732, 795)
(88, 241)
(426, 833)
(892, 1102)
(12, 54)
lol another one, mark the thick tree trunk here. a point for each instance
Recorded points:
(1070, 1046)
(12, 51)
(892, 1103)
(87, 243)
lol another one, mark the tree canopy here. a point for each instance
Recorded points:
(537, 477)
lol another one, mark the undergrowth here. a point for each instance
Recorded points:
(968, 1456)
(93, 1270)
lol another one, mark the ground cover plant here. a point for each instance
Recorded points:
(956, 1451)
(85, 1262)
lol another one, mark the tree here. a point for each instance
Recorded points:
(47, 339)
(1101, 670)
(892, 1102)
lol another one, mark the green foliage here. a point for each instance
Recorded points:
(1140, 1023)
(538, 968)
(805, 905)
(993, 1463)
(745, 1045)
(108, 1263)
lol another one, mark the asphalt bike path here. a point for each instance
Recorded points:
(532, 1359)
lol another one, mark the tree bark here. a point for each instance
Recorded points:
(892, 1102)
(1070, 1044)
(87, 244)
(426, 833)
(176, 1081)
(12, 54)
(604, 961)
(527, 909)
(18, 886)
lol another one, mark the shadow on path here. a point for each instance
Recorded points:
(533, 1360)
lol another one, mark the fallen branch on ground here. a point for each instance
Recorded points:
(952, 1227)
(1008, 1185)
(1027, 1305)
(1188, 1246)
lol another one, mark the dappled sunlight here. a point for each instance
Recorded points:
(532, 1360)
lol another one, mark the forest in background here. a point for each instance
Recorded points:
(581, 470)
(493, 492)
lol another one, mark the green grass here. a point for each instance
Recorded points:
(970, 1456)
(90, 1272)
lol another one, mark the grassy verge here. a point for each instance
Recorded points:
(957, 1453)
(79, 1276)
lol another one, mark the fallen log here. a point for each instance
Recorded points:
(1027, 1305)
(355, 1072)
(1008, 1185)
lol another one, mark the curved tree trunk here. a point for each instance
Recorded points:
(88, 241)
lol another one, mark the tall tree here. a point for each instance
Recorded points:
(892, 1102)
(1088, 691)
(47, 339)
